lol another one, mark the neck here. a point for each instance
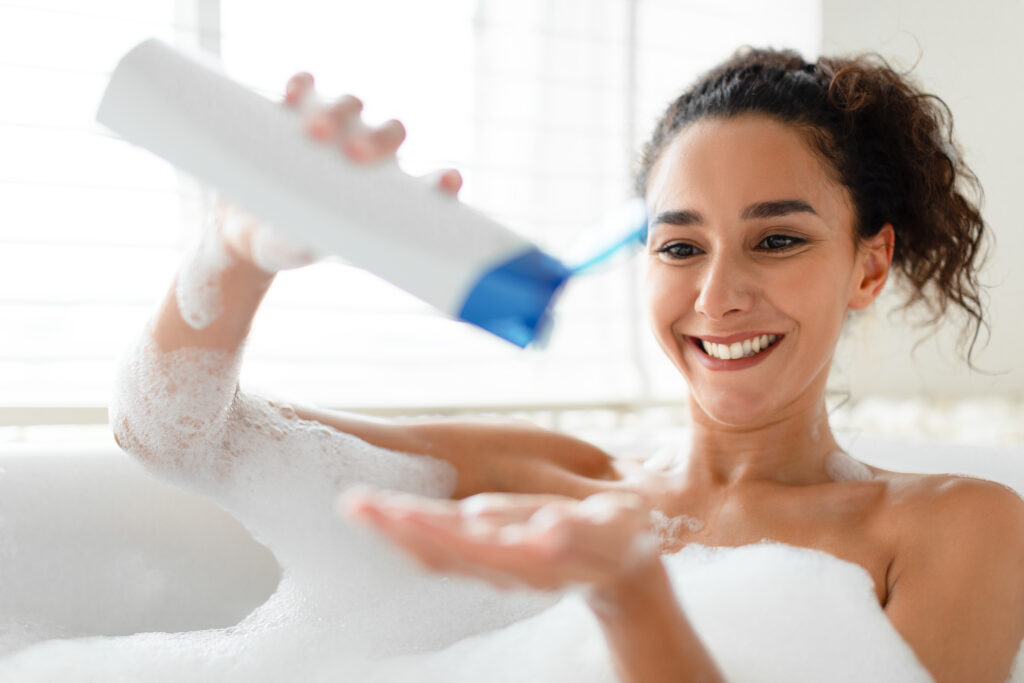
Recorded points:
(791, 449)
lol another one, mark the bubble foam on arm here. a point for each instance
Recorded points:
(175, 386)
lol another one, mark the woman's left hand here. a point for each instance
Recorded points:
(544, 542)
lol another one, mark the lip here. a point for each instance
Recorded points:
(738, 364)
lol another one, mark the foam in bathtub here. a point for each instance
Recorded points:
(350, 607)
(767, 612)
(343, 589)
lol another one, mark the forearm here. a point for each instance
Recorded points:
(648, 634)
(237, 290)
(174, 391)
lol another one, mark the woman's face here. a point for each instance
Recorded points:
(750, 245)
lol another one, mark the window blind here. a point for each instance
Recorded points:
(541, 105)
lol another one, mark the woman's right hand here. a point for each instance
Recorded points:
(339, 124)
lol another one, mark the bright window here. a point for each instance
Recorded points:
(540, 104)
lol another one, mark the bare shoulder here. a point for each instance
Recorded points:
(952, 497)
(932, 509)
(490, 454)
(958, 574)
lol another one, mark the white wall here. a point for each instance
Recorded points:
(971, 55)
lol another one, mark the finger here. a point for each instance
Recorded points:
(370, 144)
(375, 143)
(611, 505)
(336, 119)
(506, 507)
(435, 552)
(361, 497)
(555, 547)
(401, 531)
(502, 547)
(297, 88)
(506, 554)
(431, 553)
(471, 553)
(447, 180)
(451, 181)
(388, 136)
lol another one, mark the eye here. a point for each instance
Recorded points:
(679, 250)
(779, 242)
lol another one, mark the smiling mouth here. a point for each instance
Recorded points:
(745, 348)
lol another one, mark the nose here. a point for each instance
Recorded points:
(725, 289)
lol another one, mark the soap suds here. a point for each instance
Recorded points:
(670, 529)
(767, 612)
(197, 287)
(352, 607)
(344, 589)
(270, 249)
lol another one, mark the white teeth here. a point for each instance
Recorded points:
(743, 349)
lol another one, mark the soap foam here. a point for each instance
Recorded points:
(670, 528)
(766, 612)
(197, 287)
(351, 607)
(270, 249)
(344, 590)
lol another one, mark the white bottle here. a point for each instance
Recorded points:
(256, 153)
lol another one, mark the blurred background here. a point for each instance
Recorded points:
(542, 105)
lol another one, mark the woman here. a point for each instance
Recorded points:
(781, 194)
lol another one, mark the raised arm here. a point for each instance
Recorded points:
(179, 389)
(179, 384)
(218, 290)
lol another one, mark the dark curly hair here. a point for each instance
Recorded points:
(880, 136)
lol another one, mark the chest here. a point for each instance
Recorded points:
(849, 521)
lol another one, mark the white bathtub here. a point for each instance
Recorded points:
(91, 544)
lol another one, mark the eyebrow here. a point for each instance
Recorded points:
(772, 209)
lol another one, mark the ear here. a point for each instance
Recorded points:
(874, 256)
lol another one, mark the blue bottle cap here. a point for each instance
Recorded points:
(512, 300)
